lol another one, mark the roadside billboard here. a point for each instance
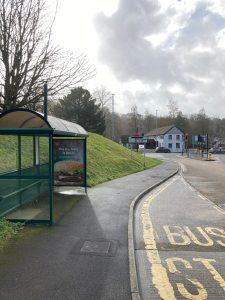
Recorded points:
(69, 168)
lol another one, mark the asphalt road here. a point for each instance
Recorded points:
(208, 177)
(179, 244)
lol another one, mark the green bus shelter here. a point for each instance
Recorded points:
(39, 157)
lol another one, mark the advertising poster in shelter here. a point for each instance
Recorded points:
(69, 162)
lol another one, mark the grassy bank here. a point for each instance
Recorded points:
(107, 160)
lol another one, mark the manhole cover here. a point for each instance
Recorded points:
(96, 247)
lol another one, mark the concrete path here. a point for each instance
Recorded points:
(85, 255)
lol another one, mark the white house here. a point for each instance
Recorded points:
(170, 137)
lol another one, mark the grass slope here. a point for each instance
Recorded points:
(107, 160)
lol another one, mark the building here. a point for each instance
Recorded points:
(170, 137)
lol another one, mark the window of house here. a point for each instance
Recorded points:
(178, 145)
(170, 137)
(170, 145)
(178, 137)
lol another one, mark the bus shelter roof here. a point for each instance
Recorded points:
(24, 118)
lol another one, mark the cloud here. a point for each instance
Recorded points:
(178, 45)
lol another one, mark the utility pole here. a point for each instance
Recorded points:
(156, 125)
(45, 101)
(113, 119)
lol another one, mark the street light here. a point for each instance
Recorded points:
(156, 118)
(113, 121)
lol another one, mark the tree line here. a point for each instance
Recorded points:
(133, 123)
(94, 112)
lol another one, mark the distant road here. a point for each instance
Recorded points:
(164, 156)
(208, 177)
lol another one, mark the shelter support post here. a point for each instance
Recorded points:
(51, 164)
(85, 164)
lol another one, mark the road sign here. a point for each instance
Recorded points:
(137, 139)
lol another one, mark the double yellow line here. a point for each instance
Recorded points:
(159, 273)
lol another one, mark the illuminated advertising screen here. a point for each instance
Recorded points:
(69, 162)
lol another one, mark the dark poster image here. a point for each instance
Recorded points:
(69, 162)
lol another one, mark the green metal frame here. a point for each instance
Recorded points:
(85, 164)
(51, 179)
(45, 132)
(51, 134)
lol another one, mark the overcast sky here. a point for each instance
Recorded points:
(147, 52)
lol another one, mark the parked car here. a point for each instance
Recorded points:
(216, 150)
(162, 150)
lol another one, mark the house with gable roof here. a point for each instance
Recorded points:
(170, 137)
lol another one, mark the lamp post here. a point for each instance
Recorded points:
(45, 101)
(113, 120)
(156, 119)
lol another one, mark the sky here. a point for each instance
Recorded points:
(148, 52)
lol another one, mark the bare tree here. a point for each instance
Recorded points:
(28, 58)
(173, 108)
(103, 96)
(135, 120)
(149, 121)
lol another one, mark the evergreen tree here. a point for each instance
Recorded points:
(79, 107)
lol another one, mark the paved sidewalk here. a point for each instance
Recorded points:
(85, 255)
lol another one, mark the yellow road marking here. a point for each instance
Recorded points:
(160, 277)
(208, 264)
(183, 235)
(217, 232)
(173, 232)
(202, 293)
(159, 274)
(209, 242)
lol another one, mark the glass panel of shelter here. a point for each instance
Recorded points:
(24, 181)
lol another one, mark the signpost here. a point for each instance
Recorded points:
(140, 141)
